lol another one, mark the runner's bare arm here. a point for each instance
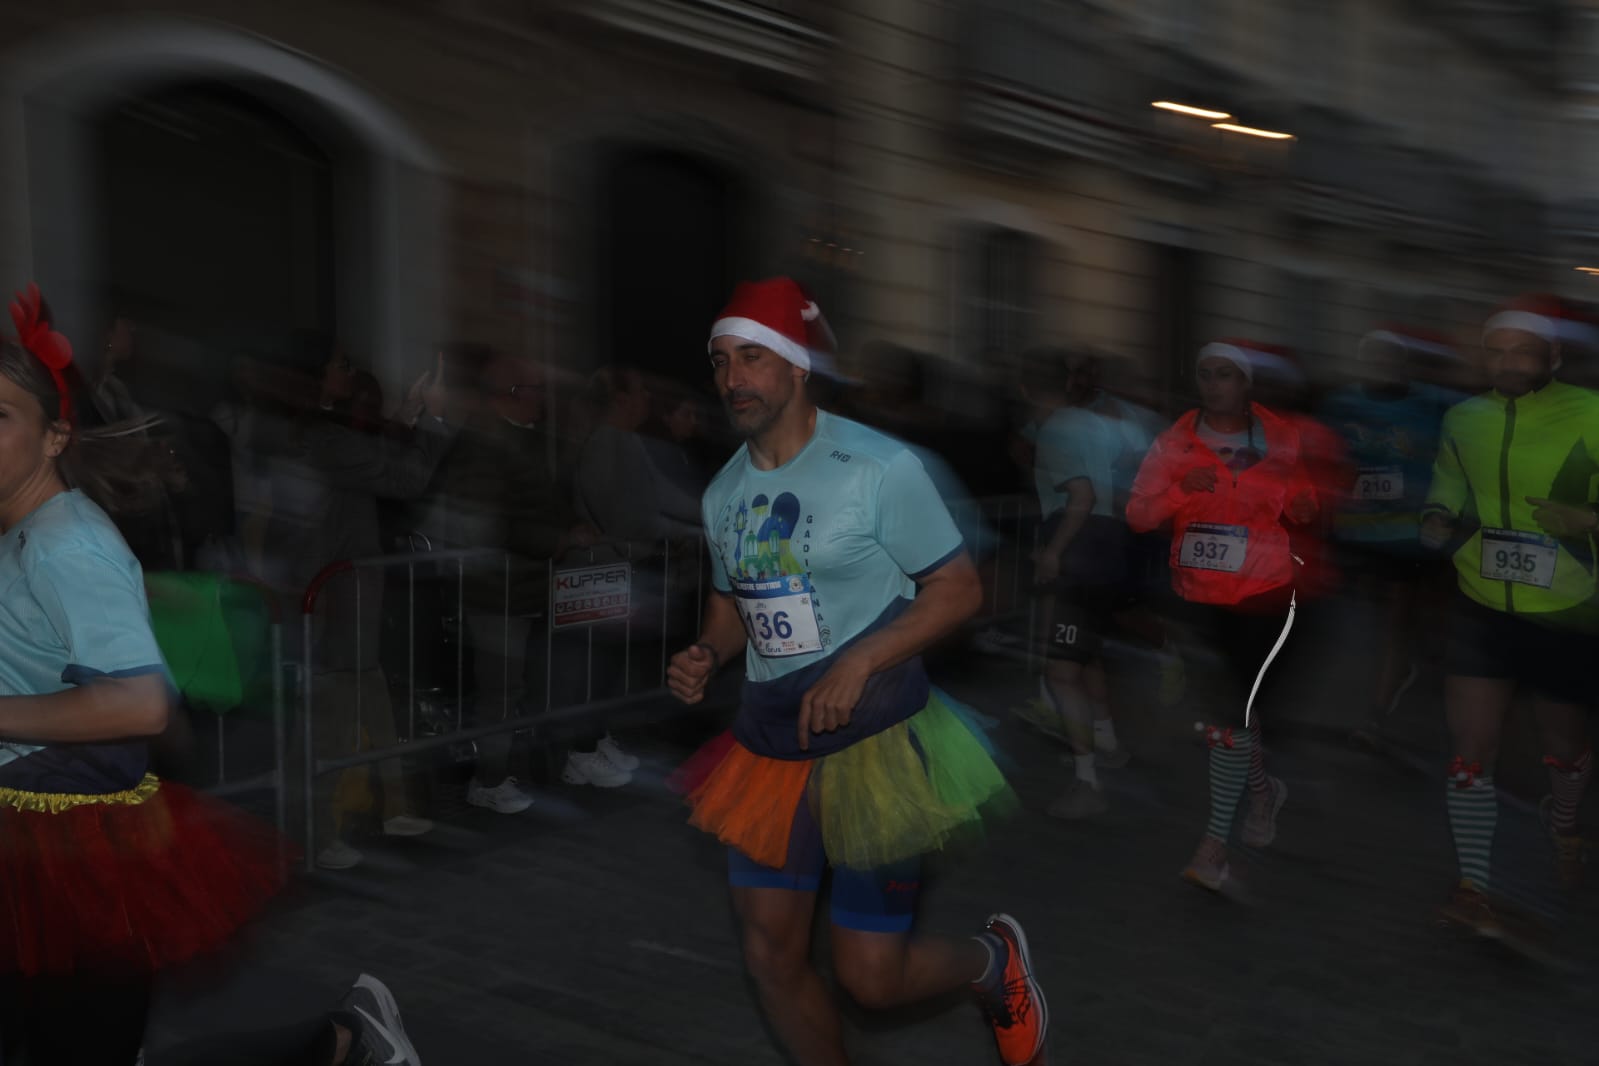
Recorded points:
(721, 638)
(106, 708)
(945, 599)
(1079, 502)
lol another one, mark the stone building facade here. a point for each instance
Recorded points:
(582, 179)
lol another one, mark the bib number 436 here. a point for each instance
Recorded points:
(772, 625)
(780, 615)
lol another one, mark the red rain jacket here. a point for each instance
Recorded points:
(1256, 500)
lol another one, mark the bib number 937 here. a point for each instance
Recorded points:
(1208, 546)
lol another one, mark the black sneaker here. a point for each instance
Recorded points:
(380, 1039)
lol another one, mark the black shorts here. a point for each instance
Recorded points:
(1092, 584)
(1551, 654)
(1393, 566)
(1076, 618)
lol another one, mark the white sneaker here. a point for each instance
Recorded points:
(613, 751)
(338, 856)
(403, 825)
(593, 768)
(503, 798)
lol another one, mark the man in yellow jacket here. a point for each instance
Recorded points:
(1513, 493)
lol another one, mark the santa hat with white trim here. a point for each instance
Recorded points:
(1252, 357)
(1536, 313)
(1545, 316)
(1412, 340)
(777, 313)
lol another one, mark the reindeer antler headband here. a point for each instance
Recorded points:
(42, 342)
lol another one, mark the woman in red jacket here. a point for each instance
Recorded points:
(1227, 477)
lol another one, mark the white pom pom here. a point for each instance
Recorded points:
(810, 312)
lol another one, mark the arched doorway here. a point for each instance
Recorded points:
(57, 91)
(218, 227)
(672, 242)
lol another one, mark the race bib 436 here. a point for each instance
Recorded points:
(779, 616)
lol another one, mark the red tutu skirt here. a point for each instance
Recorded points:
(127, 883)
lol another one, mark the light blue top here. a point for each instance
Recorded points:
(854, 512)
(72, 605)
(1074, 442)
(1389, 432)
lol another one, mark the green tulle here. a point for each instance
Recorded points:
(215, 635)
(919, 787)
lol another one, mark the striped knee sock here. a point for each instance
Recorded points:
(1567, 782)
(1473, 810)
(1257, 761)
(1229, 774)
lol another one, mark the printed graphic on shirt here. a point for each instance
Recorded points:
(765, 528)
(776, 598)
(1238, 458)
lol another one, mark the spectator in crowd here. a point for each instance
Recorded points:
(619, 490)
(322, 481)
(497, 489)
(676, 439)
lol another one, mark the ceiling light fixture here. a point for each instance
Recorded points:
(1186, 109)
(1251, 131)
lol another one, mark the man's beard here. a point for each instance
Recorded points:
(755, 419)
(1517, 384)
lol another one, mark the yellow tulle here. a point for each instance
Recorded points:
(913, 789)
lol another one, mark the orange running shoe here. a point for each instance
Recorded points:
(1016, 1009)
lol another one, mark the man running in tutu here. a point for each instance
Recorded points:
(834, 565)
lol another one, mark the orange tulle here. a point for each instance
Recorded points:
(747, 801)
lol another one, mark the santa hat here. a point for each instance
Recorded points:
(1412, 340)
(778, 314)
(1250, 356)
(1540, 314)
(1545, 316)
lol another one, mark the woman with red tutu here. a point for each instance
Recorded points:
(107, 874)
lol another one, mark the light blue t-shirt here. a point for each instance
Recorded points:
(72, 605)
(1074, 442)
(820, 548)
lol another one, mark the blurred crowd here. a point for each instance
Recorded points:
(1350, 484)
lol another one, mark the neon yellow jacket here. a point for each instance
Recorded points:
(1494, 453)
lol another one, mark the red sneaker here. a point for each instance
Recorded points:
(1017, 1010)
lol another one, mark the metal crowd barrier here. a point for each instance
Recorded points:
(566, 608)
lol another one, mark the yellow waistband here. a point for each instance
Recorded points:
(56, 802)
